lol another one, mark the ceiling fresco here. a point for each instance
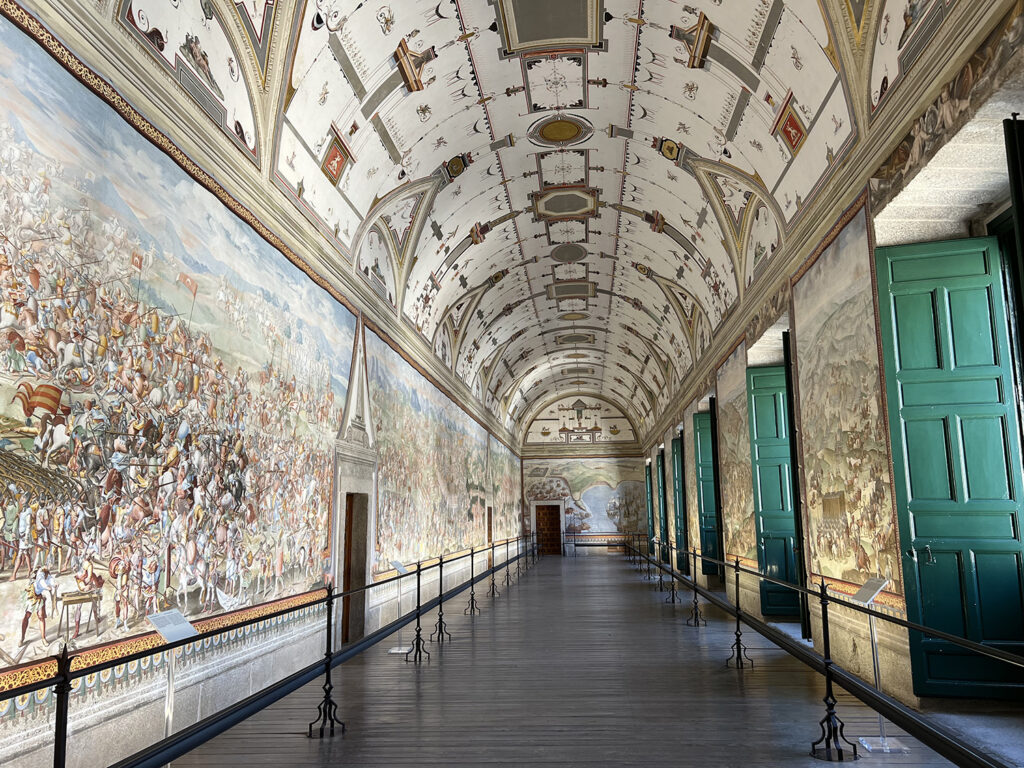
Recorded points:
(580, 421)
(561, 199)
(190, 39)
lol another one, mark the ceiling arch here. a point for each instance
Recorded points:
(574, 195)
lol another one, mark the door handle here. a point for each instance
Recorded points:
(931, 557)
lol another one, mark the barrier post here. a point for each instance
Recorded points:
(418, 650)
(327, 711)
(440, 629)
(832, 727)
(472, 608)
(62, 691)
(493, 591)
(739, 658)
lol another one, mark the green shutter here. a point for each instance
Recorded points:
(956, 456)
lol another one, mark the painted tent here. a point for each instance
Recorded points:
(170, 384)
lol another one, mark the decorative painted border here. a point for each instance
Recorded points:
(94, 682)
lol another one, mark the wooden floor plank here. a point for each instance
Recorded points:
(580, 664)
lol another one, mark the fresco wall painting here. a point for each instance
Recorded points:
(432, 464)
(734, 459)
(600, 495)
(170, 384)
(851, 523)
(504, 469)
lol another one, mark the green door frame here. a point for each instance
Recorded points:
(708, 523)
(717, 454)
(650, 507)
(679, 491)
(957, 459)
(771, 472)
(662, 507)
(794, 458)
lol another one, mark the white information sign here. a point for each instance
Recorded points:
(171, 625)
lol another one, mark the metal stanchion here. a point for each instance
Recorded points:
(832, 727)
(62, 691)
(327, 711)
(661, 571)
(696, 619)
(739, 658)
(440, 629)
(672, 580)
(472, 608)
(418, 650)
(508, 576)
(493, 591)
(519, 570)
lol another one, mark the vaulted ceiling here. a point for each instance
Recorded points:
(560, 197)
(603, 179)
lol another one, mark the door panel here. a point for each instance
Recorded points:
(662, 508)
(956, 452)
(549, 529)
(679, 494)
(651, 532)
(707, 508)
(771, 457)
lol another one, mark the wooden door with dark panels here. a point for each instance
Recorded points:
(549, 530)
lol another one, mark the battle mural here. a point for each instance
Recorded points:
(506, 489)
(853, 534)
(600, 495)
(734, 452)
(432, 464)
(170, 385)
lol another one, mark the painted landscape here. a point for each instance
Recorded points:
(506, 490)
(600, 495)
(734, 453)
(853, 534)
(431, 489)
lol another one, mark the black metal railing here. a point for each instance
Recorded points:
(180, 742)
(573, 539)
(832, 744)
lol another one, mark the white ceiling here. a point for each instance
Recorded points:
(560, 198)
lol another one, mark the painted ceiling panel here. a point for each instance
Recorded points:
(190, 40)
(561, 197)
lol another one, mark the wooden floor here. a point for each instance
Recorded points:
(580, 664)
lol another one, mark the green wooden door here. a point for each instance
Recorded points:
(956, 455)
(771, 457)
(679, 494)
(707, 508)
(662, 507)
(650, 510)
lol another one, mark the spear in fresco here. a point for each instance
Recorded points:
(137, 264)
